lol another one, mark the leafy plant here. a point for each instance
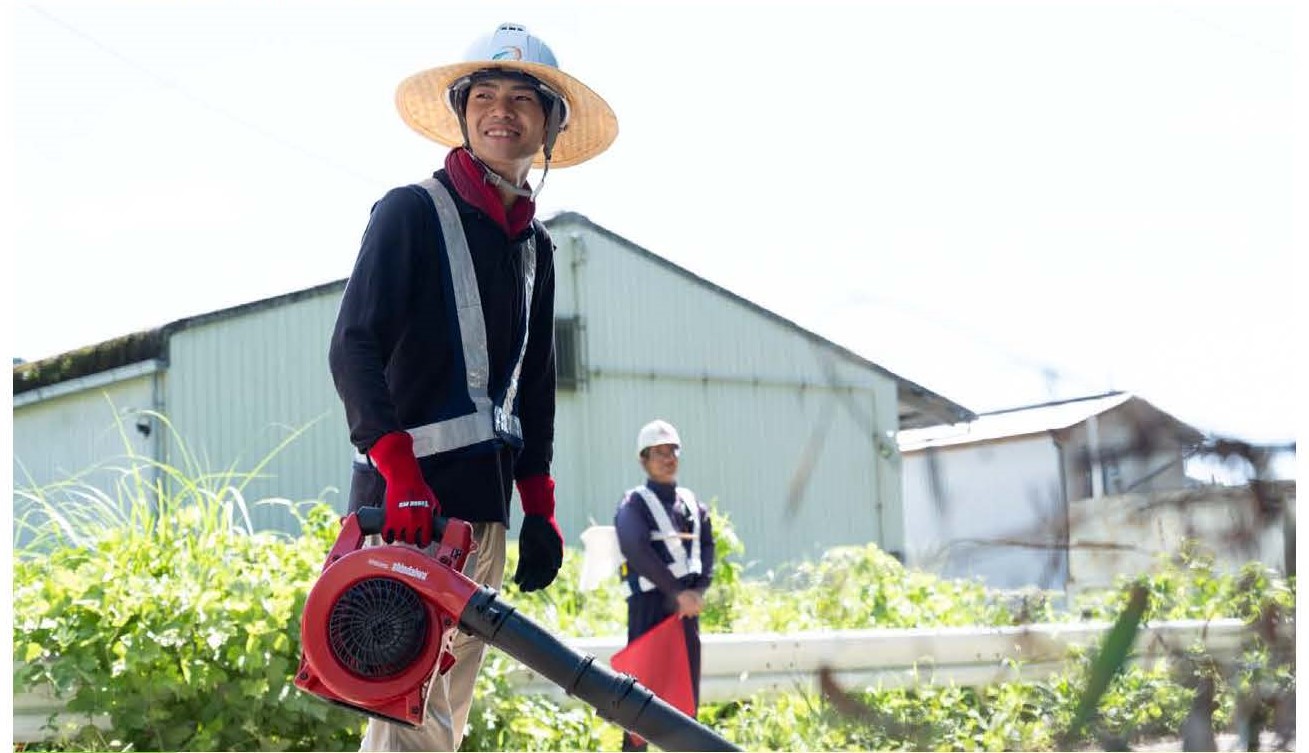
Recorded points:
(155, 603)
(160, 607)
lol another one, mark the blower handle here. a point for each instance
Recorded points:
(371, 519)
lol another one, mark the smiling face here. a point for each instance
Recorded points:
(660, 462)
(506, 125)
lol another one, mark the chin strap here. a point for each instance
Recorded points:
(497, 180)
(541, 182)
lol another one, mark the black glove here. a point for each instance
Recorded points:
(540, 553)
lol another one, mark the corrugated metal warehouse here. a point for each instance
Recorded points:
(770, 414)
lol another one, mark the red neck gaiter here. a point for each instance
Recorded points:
(469, 179)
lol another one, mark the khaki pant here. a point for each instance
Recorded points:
(450, 696)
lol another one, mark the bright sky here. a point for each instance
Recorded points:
(1004, 202)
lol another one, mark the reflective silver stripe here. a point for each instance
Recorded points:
(683, 564)
(529, 282)
(450, 434)
(486, 418)
(692, 509)
(677, 569)
(468, 301)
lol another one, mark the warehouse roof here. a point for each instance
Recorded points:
(1027, 420)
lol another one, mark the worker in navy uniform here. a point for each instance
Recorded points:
(443, 351)
(666, 538)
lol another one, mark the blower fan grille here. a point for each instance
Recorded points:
(378, 628)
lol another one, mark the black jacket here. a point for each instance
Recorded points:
(397, 361)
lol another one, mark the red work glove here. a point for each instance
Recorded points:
(410, 503)
(540, 542)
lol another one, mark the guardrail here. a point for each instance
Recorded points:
(738, 665)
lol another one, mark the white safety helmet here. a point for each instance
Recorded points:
(510, 43)
(655, 433)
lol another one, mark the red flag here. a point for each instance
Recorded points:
(659, 661)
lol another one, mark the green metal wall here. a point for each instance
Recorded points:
(768, 413)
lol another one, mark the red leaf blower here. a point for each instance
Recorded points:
(378, 623)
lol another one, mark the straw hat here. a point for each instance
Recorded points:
(591, 125)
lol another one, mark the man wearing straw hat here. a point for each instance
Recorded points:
(443, 348)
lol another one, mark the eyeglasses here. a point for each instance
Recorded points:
(664, 452)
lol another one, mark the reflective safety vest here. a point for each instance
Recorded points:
(491, 419)
(680, 562)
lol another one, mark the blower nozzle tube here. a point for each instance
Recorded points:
(617, 698)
